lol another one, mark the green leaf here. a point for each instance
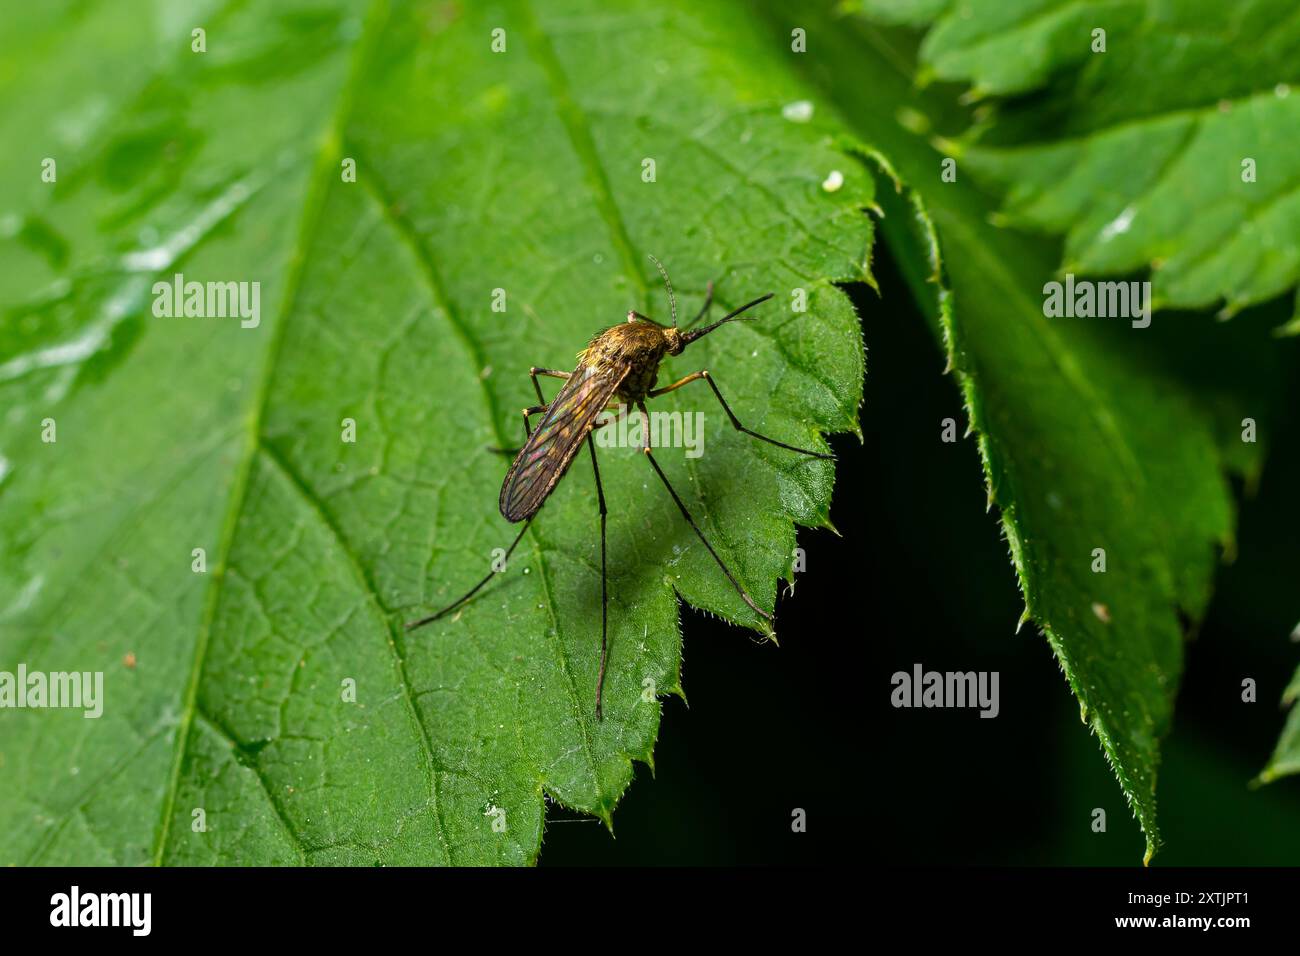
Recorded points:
(476, 170)
(1171, 150)
(1286, 755)
(1089, 437)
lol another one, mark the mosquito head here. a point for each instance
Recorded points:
(675, 339)
(688, 337)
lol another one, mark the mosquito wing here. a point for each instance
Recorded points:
(550, 449)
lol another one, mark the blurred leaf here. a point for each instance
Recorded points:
(1286, 756)
(1089, 439)
(1172, 149)
(476, 170)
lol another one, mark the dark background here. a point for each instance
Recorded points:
(920, 573)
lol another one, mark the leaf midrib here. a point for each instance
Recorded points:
(313, 208)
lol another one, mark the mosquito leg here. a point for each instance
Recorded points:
(604, 592)
(694, 376)
(552, 372)
(528, 413)
(735, 422)
(708, 301)
(681, 506)
(412, 625)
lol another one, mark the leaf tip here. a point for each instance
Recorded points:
(948, 146)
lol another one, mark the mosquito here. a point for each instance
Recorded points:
(620, 366)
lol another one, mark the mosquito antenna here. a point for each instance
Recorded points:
(672, 299)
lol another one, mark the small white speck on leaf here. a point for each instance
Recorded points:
(800, 111)
(1119, 225)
